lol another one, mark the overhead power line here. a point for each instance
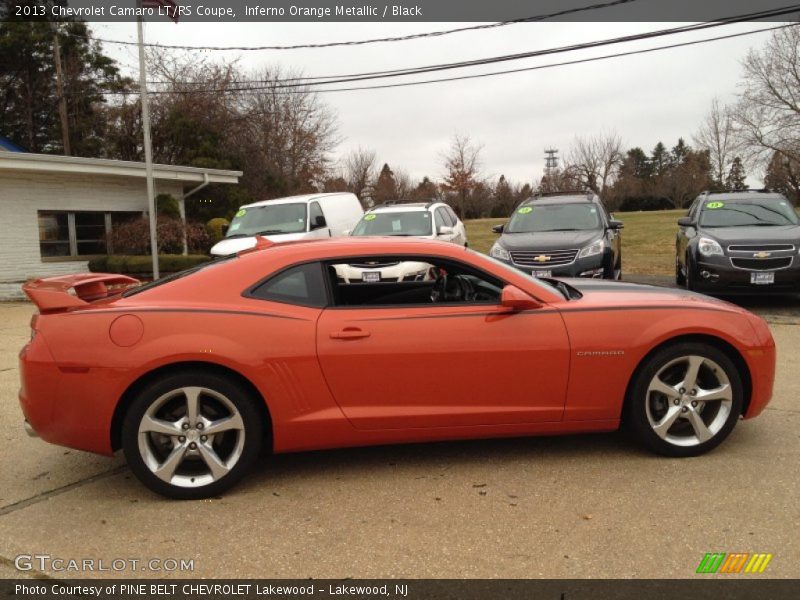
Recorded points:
(306, 82)
(401, 38)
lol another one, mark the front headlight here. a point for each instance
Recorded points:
(498, 251)
(709, 247)
(592, 249)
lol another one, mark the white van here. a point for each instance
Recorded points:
(292, 218)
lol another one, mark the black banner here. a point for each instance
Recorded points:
(702, 588)
(233, 11)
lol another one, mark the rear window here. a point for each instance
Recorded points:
(178, 275)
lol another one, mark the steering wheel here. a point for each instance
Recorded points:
(453, 289)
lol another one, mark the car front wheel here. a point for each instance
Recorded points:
(686, 400)
(191, 435)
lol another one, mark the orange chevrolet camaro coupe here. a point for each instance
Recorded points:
(192, 375)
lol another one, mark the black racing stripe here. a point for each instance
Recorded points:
(645, 307)
(188, 310)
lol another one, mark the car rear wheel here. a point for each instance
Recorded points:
(686, 400)
(191, 435)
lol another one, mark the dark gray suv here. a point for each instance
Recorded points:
(561, 235)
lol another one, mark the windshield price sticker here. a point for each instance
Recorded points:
(525, 210)
(369, 218)
(241, 213)
(713, 205)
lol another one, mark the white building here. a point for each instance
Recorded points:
(56, 210)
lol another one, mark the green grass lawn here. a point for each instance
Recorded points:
(648, 240)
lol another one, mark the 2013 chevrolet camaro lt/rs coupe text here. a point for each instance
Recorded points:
(192, 375)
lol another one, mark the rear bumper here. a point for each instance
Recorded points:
(66, 408)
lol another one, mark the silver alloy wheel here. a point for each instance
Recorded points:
(191, 436)
(689, 400)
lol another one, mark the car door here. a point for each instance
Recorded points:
(318, 225)
(442, 219)
(444, 365)
(461, 231)
(685, 234)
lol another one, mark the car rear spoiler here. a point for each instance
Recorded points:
(72, 291)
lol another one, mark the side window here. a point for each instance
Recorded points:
(316, 218)
(410, 281)
(442, 218)
(303, 285)
(452, 214)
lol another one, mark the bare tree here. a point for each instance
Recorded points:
(290, 136)
(462, 165)
(767, 116)
(360, 171)
(595, 160)
(716, 134)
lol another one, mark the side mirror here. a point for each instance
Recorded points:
(514, 298)
(319, 222)
(685, 222)
(445, 230)
(498, 228)
(614, 224)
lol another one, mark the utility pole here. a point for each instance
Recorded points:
(550, 160)
(148, 150)
(62, 99)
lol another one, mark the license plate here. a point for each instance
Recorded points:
(762, 278)
(371, 276)
(542, 273)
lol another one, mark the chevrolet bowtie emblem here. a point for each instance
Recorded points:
(762, 254)
(542, 258)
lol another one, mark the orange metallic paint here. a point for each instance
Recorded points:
(421, 373)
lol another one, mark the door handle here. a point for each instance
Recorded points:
(349, 334)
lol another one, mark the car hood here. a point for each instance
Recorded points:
(549, 240)
(789, 234)
(233, 245)
(620, 294)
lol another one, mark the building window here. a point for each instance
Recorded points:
(78, 234)
(54, 234)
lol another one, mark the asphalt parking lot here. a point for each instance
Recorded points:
(571, 507)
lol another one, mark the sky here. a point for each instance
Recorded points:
(646, 98)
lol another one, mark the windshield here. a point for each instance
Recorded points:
(554, 217)
(747, 213)
(416, 222)
(269, 218)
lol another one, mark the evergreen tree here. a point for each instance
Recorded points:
(385, 187)
(29, 99)
(660, 159)
(735, 181)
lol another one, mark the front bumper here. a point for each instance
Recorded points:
(716, 274)
(589, 267)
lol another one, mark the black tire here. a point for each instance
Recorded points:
(691, 276)
(680, 438)
(680, 278)
(221, 398)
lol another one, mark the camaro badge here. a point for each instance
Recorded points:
(542, 258)
(762, 254)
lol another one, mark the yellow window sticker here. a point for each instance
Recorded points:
(369, 218)
(525, 210)
(713, 205)
(241, 213)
